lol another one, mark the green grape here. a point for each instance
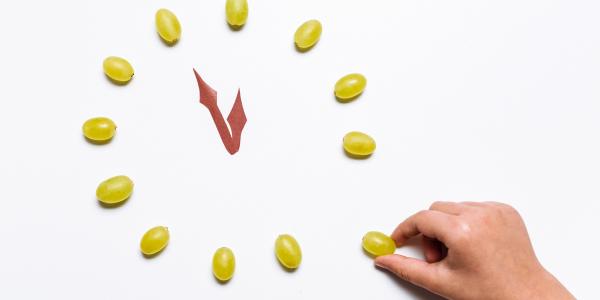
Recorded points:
(223, 264)
(114, 190)
(378, 244)
(288, 251)
(308, 34)
(154, 240)
(359, 144)
(350, 86)
(99, 129)
(117, 69)
(236, 12)
(167, 26)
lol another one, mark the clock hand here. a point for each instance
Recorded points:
(236, 119)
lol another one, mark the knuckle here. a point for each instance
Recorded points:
(462, 232)
(481, 216)
(439, 282)
(510, 214)
(403, 274)
(435, 204)
(421, 213)
(505, 211)
(502, 206)
(509, 209)
(494, 209)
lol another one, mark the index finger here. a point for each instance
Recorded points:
(431, 223)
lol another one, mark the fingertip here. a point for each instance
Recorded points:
(382, 261)
(388, 262)
(432, 223)
(397, 237)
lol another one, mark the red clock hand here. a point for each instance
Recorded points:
(236, 119)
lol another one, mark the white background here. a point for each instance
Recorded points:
(467, 100)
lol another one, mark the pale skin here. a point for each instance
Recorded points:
(473, 250)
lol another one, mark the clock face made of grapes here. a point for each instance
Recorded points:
(118, 70)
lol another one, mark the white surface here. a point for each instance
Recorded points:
(467, 100)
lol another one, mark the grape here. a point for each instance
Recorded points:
(288, 251)
(308, 34)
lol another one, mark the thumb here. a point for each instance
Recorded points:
(415, 271)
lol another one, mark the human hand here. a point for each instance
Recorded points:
(473, 251)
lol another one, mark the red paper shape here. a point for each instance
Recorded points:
(236, 119)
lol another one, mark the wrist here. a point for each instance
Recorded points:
(543, 285)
